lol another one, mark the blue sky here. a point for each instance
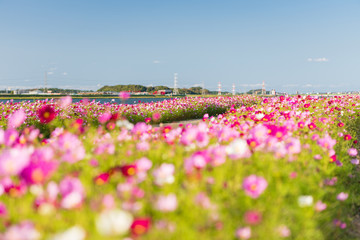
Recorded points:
(291, 45)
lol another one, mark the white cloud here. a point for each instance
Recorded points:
(50, 73)
(156, 62)
(323, 59)
(65, 73)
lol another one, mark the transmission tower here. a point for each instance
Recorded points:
(45, 82)
(176, 91)
(263, 91)
(219, 88)
(233, 89)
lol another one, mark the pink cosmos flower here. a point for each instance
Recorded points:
(293, 175)
(197, 161)
(17, 118)
(65, 101)
(190, 135)
(38, 171)
(72, 192)
(284, 231)
(108, 201)
(352, 152)
(124, 95)
(293, 146)
(326, 142)
(10, 137)
(243, 233)
(156, 116)
(103, 118)
(339, 224)
(140, 128)
(166, 203)
(252, 217)
(164, 174)
(217, 154)
(14, 160)
(143, 146)
(203, 200)
(355, 161)
(254, 185)
(320, 206)
(3, 211)
(143, 164)
(22, 231)
(70, 147)
(342, 196)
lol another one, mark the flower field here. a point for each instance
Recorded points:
(253, 168)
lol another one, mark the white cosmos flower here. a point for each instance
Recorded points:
(114, 222)
(238, 149)
(73, 233)
(305, 201)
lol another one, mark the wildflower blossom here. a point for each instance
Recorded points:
(114, 222)
(254, 185)
(46, 114)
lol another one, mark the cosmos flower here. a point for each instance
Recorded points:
(73, 233)
(320, 206)
(17, 118)
(114, 222)
(254, 186)
(164, 174)
(238, 149)
(243, 233)
(342, 196)
(21, 231)
(140, 226)
(305, 200)
(352, 152)
(124, 95)
(14, 160)
(72, 192)
(252, 217)
(46, 114)
(166, 203)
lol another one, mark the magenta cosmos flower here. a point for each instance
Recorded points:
(46, 114)
(254, 185)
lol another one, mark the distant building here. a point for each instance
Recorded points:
(273, 92)
(35, 92)
(163, 92)
(141, 93)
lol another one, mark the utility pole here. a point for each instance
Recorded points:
(219, 88)
(233, 89)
